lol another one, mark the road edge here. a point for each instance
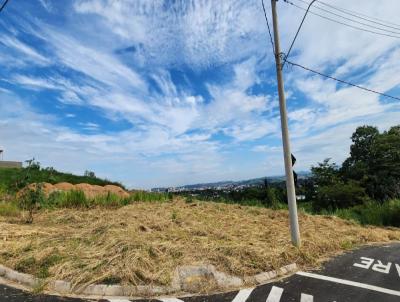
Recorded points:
(61, 287)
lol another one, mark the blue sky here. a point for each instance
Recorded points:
(165, 93)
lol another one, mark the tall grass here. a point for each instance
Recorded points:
(9, 209)
(373, 213)
(77, 199)
(149, 196)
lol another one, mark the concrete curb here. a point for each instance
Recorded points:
(183, 277)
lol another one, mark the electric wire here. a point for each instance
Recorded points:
(297, 33)
(342, 81)
(4, 5)
(362, 16)
(323, 74)
(342, 23)
(352, 20)
(269, 29)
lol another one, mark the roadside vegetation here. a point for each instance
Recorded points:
(25, 196)
(365, 189)
(144, 242)
(141, 237)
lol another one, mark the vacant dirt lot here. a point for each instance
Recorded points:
(144, 242)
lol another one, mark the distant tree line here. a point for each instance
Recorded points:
(366, 187)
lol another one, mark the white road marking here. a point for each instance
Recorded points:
(170, 300)
(398, 269)
(242, 295)
(351, 283)
(275, 294)
(382, 268)
(306, 298)
(365, 262)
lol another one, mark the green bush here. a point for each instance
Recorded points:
(30, 200)
(339, 196)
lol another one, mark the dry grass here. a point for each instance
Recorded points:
(144, 242)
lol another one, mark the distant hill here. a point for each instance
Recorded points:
(230, 183)
(13, 179)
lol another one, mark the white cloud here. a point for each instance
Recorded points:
(189, 33)
(173, 130)
(30, 53)
(47, 5)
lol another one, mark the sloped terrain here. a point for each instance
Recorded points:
(144, 242)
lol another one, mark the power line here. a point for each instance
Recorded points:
(343, 81)
(342, 23)
(351, 19)
(318, 72)
(4, 5)
(362, 16)
(297, 33)
(269, 29)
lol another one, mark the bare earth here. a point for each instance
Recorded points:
(144, 242)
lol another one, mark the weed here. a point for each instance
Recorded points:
(26, 265)
(174, 216)
(346, 245)
(9, 209)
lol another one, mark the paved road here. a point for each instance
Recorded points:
(369, 274)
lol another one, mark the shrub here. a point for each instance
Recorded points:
(339, 196)
(31, 199)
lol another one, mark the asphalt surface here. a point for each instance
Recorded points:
(369, 274)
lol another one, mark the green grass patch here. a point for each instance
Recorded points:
(9, 209)
(76, 199)
(39, 268)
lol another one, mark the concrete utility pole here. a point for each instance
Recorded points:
(291, 193)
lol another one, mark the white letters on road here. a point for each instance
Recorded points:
(365, 262)
(398, 269)
(378, 266)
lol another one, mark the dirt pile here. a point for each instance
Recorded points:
(90, 191)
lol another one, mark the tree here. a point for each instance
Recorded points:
(325, 173)
(384, 166)
(356, 166)
(89, 173)
(331, 192)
